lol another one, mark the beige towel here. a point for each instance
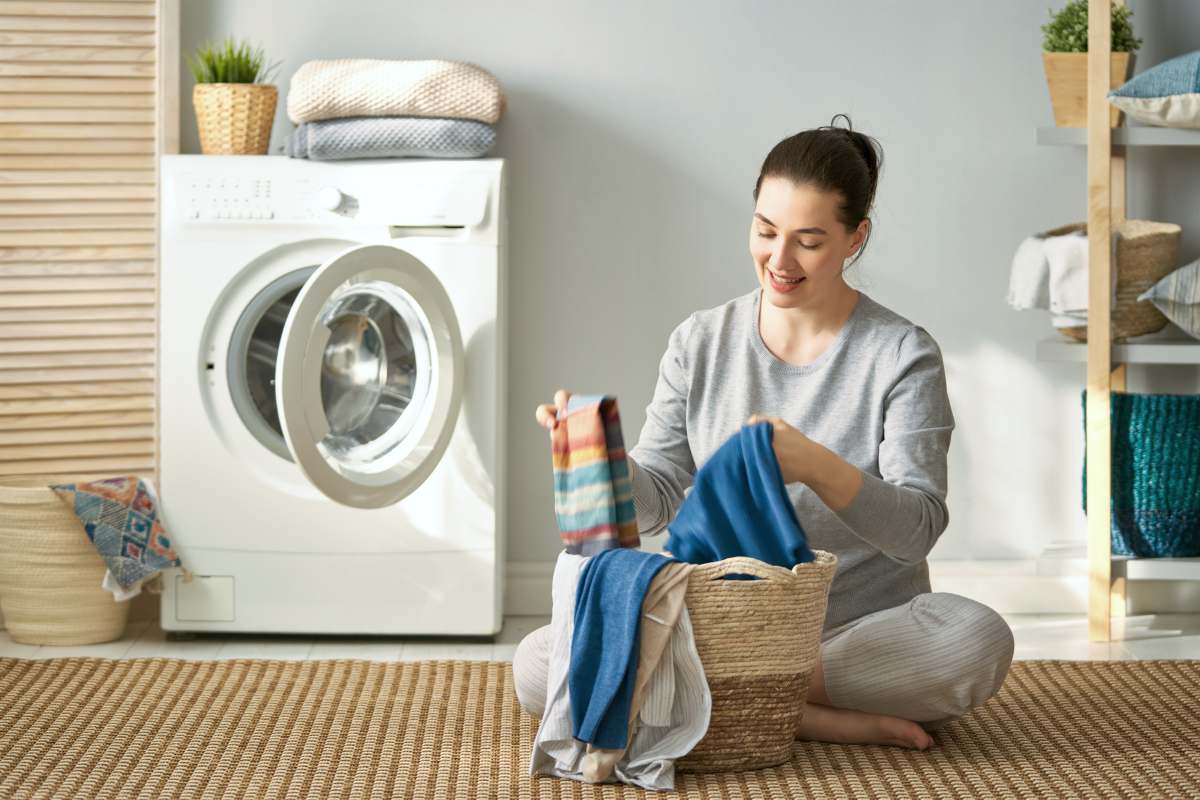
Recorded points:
(359, 87)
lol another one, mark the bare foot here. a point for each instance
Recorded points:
(843, 726)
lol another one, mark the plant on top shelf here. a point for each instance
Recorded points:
(235, 105)
(1064, 56)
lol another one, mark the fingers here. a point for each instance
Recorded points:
(547, 413)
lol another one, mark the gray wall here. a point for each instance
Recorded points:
(635, 132)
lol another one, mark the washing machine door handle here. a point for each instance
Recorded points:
(369, 378)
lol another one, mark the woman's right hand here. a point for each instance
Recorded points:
(547, 413)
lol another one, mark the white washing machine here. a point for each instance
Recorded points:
(332, 362)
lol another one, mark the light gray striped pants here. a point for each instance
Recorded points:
(929, 660)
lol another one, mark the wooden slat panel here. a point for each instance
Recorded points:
(14, 316)
(85, 208)
(45, 38)
(15, 378)
(81, 421)
(78, 115)
(28, 239)
(84, 196)
(133, 433)
(65, 161)
(42, 8)
(140, 463)
(74, 299)
(67, 344)
(80, 101)
(52, 391)
(41, 54)
(116, 253)
(56, 451)
(58, 85)
(17, 130)
(68, 284)
(37, 69)
(72, 330)
(70, 405)
(73, 269)
(77, 359)
(122, 25)
(47, 181)
(97, 146)
(99, 222)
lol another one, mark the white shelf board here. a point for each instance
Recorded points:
(1137, 135)
(1157, 569)
(1157, 351)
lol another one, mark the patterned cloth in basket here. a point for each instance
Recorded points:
(121, 518)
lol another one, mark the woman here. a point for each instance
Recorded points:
(856, 395)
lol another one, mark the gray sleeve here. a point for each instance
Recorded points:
(661, 462)
(904, 512)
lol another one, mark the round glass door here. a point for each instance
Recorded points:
(369, 374)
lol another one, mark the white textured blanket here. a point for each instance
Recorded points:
(355, 87)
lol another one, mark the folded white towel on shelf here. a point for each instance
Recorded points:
(1028, 281)
(1067, 258)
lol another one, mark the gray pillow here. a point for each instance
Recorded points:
(1177, 296)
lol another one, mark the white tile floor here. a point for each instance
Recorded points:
(1037, 636)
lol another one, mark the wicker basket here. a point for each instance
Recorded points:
(759, 641)
(1146, 251)
(50, 573)
(234, 118)
(1155, 474)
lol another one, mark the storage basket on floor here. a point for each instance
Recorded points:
(1146, 251)
(1155, 474)
(759, 641)
(50, 572)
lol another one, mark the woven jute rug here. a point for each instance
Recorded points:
(157, 728)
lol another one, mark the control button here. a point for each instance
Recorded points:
(329, 198)
(193, 213)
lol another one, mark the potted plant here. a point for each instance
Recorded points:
(235, 106)
(1065, 58)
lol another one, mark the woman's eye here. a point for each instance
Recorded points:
(765, 235)
(809, 246)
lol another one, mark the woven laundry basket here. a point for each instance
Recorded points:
(759, 641)
(1146, 251)
(234, 118)
(50, 573)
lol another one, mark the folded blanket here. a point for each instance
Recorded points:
(390, 137)
(376, 88)
(593, 494)
(605, 644)
(121, 518)
(739, 506)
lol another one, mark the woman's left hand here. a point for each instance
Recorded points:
(797, 454)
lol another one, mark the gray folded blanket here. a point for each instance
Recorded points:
(391, 137)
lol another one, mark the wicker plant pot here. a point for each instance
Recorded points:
(50, 573)
(759, 641)
(234, 118)
(1066, 75)
(1146, 251)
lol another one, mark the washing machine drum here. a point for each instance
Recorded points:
(367, 376)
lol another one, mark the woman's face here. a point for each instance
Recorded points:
(797, 243)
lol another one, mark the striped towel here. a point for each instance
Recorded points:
(593, 495)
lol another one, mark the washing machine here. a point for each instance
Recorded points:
(332, 398)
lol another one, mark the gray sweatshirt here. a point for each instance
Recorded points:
(876, 397)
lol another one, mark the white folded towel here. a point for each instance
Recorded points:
(1067, 257)
(1028, 281)
(1051, 272)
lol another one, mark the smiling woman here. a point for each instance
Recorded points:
(861, 419)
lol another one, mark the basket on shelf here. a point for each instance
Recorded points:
(758, 641)
(1155, 474)
(1146, 251)
(234, 118)
(50, 573)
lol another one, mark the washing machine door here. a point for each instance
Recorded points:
(369, 377)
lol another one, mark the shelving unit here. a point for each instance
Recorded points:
(1107, 575)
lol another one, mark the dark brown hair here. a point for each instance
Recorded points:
(832, 159)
